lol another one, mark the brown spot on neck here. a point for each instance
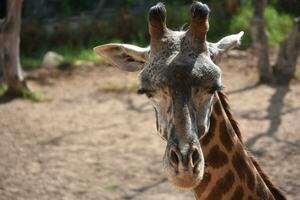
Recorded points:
(218, 108)
(203, 185)
(238, 193)
(216, 157)
(261, 192)
(251, 198)
(225, 136)
(222, 186)
(243, 170)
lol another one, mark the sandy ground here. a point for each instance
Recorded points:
(90, 141)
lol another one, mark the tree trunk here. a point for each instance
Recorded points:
(98, 9)
(1, 77)
(1, 50)
(260, 41)
(285, 66)
(10, 48)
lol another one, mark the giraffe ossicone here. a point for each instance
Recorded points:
(180, 76)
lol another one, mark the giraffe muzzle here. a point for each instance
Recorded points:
(186, 166)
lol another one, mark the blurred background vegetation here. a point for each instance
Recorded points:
(72, 28)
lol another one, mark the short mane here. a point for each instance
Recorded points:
(275, 191)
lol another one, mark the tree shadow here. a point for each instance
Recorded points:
(252, 114)
(138, 108)
(244, 89)
(56, 141)
(275, 116)
(7, 98)
(131, 105)
(143, 189)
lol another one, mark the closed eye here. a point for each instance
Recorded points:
(216, 88)
(148, 93)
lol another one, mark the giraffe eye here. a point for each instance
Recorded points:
(216, 88)
(148, 93)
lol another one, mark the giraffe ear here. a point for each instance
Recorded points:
(216, 50)
(124, 56)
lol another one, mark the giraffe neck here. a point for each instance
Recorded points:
(230, 172)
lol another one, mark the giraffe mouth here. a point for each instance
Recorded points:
(185, 180)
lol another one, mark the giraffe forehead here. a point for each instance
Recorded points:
(175, 60)
(180, 70)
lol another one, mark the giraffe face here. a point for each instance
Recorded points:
(180, 78)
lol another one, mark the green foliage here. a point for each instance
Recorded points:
(241, 22)
(177, 16)
(3, 89)
(36, 96)
(277, 25)
(30, 62)
(220, 16)
(70, 54)
(127, 21)
(297, 74)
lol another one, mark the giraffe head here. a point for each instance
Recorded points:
(180, 77)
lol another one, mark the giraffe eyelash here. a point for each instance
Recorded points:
(220, 88)
(216, 88)
(148, 93)
(141, 91)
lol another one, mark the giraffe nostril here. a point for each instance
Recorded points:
(195, 157)
(174, 157)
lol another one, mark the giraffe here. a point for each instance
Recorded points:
(180, 76)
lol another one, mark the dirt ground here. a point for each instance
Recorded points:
(88, 140)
